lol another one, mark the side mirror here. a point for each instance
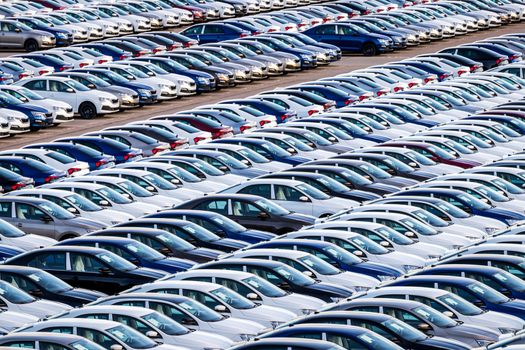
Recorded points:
(92, 86)
(424, 327)
(410, 234)
(308, 273)
(104, 270)
(175, 181)
(116, 347)
(332, 139)
(485, 200)
(358, 253)
(73, 211)
(152, 334)
(127, 195)
(24, 99)
(413, 164)
(150, 188)
(385, 244)
(151, 74)
(189, 322)
(245, 161)
(263, 215)
(18, 30)
(449, 314)
(291, 150)
(304, 199)
(70, 90)
(36, 292)
(104, 203)
(252, 296)
(224, 168)
(220, 308)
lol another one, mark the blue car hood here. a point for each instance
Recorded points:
(298, 159)
(232, 243)
(145, 272)
(180, 264)
(331, 288)
(208, 253)
(506, 213)
(363, 194)
(375, 138)
(379, 269)
(261, 235)
(89, 295)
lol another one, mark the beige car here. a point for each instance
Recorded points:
(15, 35)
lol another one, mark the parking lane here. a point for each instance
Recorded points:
(346, 64)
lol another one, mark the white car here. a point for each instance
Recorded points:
(105, 197)
(76, 204)
(78, 61)
(139, 23)
(261, 119)
(386, 237)
(97, 57)
(363, 247)
(312, 266)
(54, 159)
(16, 300)
(221, 299)
(85, 102)
(62, 111)
(13, 122)
(254, 288)
(103, 332)
(194, 135)
(30, 65)
(11, 320)
(294, 195)
(154, 325)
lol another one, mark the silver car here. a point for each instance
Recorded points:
(15, 35)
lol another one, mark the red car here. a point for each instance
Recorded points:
(435, 153)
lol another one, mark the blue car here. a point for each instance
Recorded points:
(8, 251)
(204, 81)
(429, 68)
(350, 129)
(122, 152)
(188, 231)
(306, 57)
(305, 39)
(265, 149)
(216, 223)
(36, 170)
(147, 94)
(214, 32)
(502, 281)
(63, 37)
(335, 256)
(340, 97)
(115, 53)
(95, 159)
(282, 114)
(469, 289)
(219, 160)
(39, 117)
(50, 61)
(350, 38)
(135, 252)
(467, 203)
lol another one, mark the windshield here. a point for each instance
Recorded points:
(14, 295)
(131, 337)
(30, 94)
(373, 341)
(510, 281)
(55, 211)
(232, 162)
(264, 287)
(228, 224)
(312, 192)
(175, 242)
(486, 293)
(200, 232)
(82, 203)
(404, 330)
(272, 208)
(433, 316)
(113, 195)
(319, 265)
(394, 236)
(159, 182)
(116, 261)
(490, 193)
(474, 202)
(429, 218)
(144, 251)
(233, 299)
(368, 245)
(460, 305)
(200, 311)
(85, 344)
(419, 227)
(292, 275)
(165, 324)
(49, 282)
(340, 254)
(134, 189)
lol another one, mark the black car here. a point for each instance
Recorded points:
(251, 212)
(488, 58)
(283, 276)
(189, 232)
(44, 285)
(287, 343)
(162, 241)
(87, 267)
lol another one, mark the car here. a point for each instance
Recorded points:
(43, 285)
(153, 325)
(221, 299)
(65, 341)
(40, 172)
(53, 159)
(253, 212)
(148, 145)
(190, 313)
(488, 58)
(121, 152)
(87, 267)
(213, 32)
(288, 343)
(37, 116)
(11, 181)
(20, 36)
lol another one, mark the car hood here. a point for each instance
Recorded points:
(338, 291)
(306, 219)
(232, 243)
(30, 241)
(444, 343)
(207, 253)
(464, 330)
(11, 320)
(379, 269)
(148, 273)
(181, 264)
(383, 187)
(261, 235)
(88, 295)
(45, 308)
(84, 223)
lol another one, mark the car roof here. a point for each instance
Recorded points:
(145, 296)
(238, 275)
(289, 253)
(74, 184)
(42, 191)
(429, 292)
(106, 309)
(19, 199)
(62, 338)
(242, 261)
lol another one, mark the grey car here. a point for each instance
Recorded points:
(45, 218)
(15, 35)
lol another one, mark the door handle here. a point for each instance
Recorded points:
(19, 224)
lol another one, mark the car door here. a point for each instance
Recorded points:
(252, 216)
(60, 91)
(326, 34)
(38, 85)
(348, 38)
(9, 37)
(212, 33)
(293, 200)
(53, 262)
(87, 271)
(194, 33)
(31, 219)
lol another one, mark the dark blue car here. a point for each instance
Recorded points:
(467, 203)
(307, 58)
(39, 117)
(341, 98)
(282, 114)
(469, 289)
(305, 39)
(8, 251)
(96, 160)
(266, 149)
(122, 152)
(47, 60)
(38, 171)
(216, 223)
(213, 32)
(135, 252)
(146, 94)
(350, 38)
(205, 81)
(335, 256)
(115, 53)
(63, 37)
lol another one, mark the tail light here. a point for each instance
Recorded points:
(62, 68)
(264, 122)
(499, 60)
(398, 88)
(256, 32)
(315, 23)
(382, 92)
(220, 133)
(367, 12)
(347, 102)
(474, 68)
(129, 156)
(198, 139)
(379, 10)
(158, 49)
(444, 76)
(339, 18)
(23, 75)
(428, 80)
(178, 143)
(326, 19)
(352, 15)
(174, 46)
(83, 64)
(51, 178)
(412, 84)
(42, 72)
(390, 8)
(187, 44)
(243, 35)
(141, 53)
(157, 150)
(73, 170)
(18, 186)
(102, 61)
(272, 30)
(363, 97)
(244, 128)
(327, 106)
(301, 24)
(513, 57)
(284, 117)
(288, 28)
(122, 57)
(312, 112)
(101, 162)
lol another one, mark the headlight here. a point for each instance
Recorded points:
(361, 288)
(383, 41)
(115, 222)
(432, 256)
(276, 324)
(507, 330)
(246, 337)
(384, 278)
(307, 311)
(104, 99)
(125, 96)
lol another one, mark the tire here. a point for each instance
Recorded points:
(87, 110)
(67, 236)
(31, 45)
(370, 49)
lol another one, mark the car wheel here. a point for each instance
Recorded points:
(67, 236)
(31, 45)
(87, 110)
(369, 49)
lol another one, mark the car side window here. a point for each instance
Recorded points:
(49, 261)
(194, 30)
(242, 208)
(213, 29)
(7, 27)
(326, 30)
(85, 263)
(402, 315)
(345, 342)
(63, 330)
(287, 193)
(96, 337)
(258, 190)
(267, 275)
(132, 303)
(170, 311)
(345, 30)
(427, 301)
(218, 206)
(36, 85)
(200, 279)
(6, 209)
(96, 316)
(91, 195)
(28, 212)
(51, 346)
(20, 344)
(133, 323)
(10, 167)
(234, 285)
(59, 201)
(118, 251)
(201, 298)
(291, 263)
(57, 86)
(309, 335)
